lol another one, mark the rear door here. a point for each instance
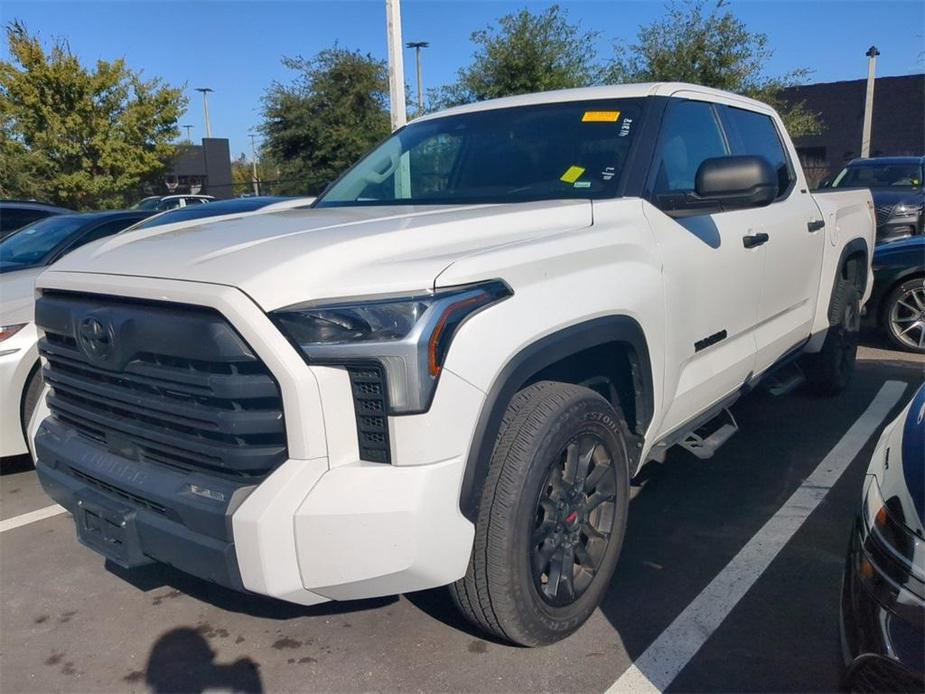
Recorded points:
(794, 250)
(712, 282)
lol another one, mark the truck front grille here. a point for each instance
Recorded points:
(165, 383)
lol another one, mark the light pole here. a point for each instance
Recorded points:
(188, 136)
(417, 46)
(205, 106)
(254, 163)
(871, 54)
(396, 65)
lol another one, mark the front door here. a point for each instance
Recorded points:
(712, 281)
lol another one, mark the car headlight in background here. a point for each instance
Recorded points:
(883, 522)
(7, 331)
(907, 209)
(408, 335)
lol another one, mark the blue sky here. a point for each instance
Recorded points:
(235, 46)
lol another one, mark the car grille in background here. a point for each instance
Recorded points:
(176, 385)
(883, 212)
(873, 673)
(367, 384)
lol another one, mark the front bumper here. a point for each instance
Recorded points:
(18, 356)
(896, 228)
(323, 525)
(883, 627)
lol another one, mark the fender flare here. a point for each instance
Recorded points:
(852, 247)
(531, 360)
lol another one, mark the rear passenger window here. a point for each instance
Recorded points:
(754, 133)
(690, 134)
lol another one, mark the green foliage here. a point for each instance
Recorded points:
(82, 138)
(526, 52)
(705, 43)
(327, 118)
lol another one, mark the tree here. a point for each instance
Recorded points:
(329, 116)
(705, 43)
(82, 138)
(527, 52)
(242, 175)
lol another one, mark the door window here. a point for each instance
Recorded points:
(690, 134)
(754, 133)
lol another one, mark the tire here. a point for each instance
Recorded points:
(30, 399)
(556, 495)
(829, 371)
(903, 316)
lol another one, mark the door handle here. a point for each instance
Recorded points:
(814, 225)
(755, 240)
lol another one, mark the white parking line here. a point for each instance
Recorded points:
(31, 517)
(661, 662)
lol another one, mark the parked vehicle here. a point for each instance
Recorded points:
(235, 206)
(897, 304)
(896, 186)
(23, 256)
(159, 203)
(449, 368)
(15, 214)
(883, 593)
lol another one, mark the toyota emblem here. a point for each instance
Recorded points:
(95, 338)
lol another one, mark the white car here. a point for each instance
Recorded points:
(446, 371)
(23, 256)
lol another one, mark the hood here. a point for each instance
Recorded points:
(909, 251)
(292, 256)
(17, 295)
(890, 196)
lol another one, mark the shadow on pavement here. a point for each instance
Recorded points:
(153, 576)
(182, 661)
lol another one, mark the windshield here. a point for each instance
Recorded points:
(147, 204)
(880, 176)
(550, 151)
(36, 243)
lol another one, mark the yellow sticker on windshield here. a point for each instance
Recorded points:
(600, 117)
(572, 174)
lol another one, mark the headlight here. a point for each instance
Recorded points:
(884, 523)
(408, 335)
(907, 209)
(7, 331)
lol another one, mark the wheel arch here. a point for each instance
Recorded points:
(853, 266)
(611, 351)
(901, 277)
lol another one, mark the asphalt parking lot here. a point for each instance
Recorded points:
(69, 622)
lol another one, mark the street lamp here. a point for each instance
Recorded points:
(417, 46)
(396, 65)
(205, 105)
(871, 54)
(254, 163)
(188, 136)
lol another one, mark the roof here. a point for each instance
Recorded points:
(32, 205)
(616, 91)
(107, 215)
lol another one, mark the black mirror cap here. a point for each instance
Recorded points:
(736, 182)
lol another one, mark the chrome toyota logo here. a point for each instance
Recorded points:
(95, 338)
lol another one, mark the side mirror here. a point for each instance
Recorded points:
(732, 183)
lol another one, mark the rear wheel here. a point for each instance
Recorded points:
(904, 315)
(552, 516)
(829, 371)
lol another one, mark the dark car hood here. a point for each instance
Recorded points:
(891, 196)
(904, 483)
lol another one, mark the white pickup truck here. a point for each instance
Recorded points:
(447, 371)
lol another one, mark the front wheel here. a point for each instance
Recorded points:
(904, 316)
(552, 516)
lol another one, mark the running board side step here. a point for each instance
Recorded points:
(704, 441)
(786, 380)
